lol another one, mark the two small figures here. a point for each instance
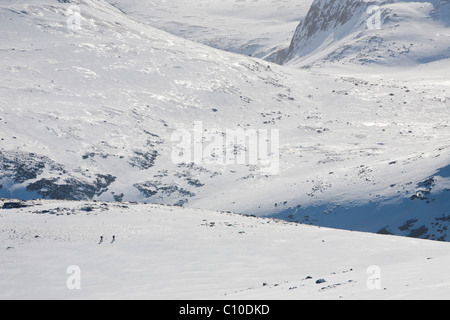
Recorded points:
(102, 239)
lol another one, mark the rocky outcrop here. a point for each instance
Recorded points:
(39, 175)
(345, 25)
(325, 19)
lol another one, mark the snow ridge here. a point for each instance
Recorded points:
(369, 32)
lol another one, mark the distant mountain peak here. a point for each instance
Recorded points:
(337, 30)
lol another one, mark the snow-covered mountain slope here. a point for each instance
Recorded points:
(90, 113)
(364, 32)
(174, 253)
(257, 28)
(88, 109)
(424, 214)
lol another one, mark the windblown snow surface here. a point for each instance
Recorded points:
(165, 252)
(88, 114)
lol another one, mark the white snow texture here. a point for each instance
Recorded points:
(94, 91)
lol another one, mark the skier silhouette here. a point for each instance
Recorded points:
(113, 239)
(101, 240)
